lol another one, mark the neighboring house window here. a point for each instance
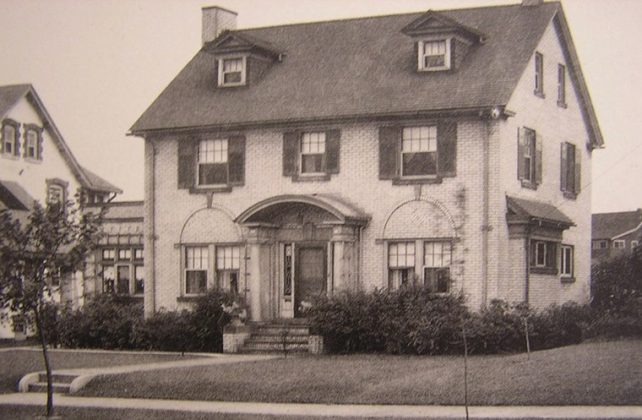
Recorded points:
(124, 254)
(109, 279)
(437, 260)
(228, 264)
(213, 162)
(417, 155)
(600, 245)
(313, 153)
(401, 264)
(232, 71)
(196, 263)
(561, 85)
(33, 142)
(543, 257)
(634, 244)
(18, 324)
(139, 279)
(619, 244)
(529, 164)
(567, 261)
(109, 254)
(118, 271)
(56, 191)
(570, 170)
(10, 145)
(123, 277)
(539, 74)
(138, 253)
(434, 55)
(419, 151)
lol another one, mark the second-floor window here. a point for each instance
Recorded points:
(313, 153)
(539, 74)
(10, 145)
(529, 158)
(419, 151)
(212, 162)
(561, 85)
(33, 142)
(570, 170)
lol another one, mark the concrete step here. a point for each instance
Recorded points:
(60, 378)
(250, 347)
(294, 339)
(277, 330)
(42, 387)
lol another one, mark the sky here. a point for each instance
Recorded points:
(98, 64)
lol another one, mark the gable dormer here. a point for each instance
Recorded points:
(241, 60)
(441, 43)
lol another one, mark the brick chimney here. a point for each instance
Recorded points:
(215, 21)
(529, 3)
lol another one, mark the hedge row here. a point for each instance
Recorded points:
(413, 321)
(107, 323)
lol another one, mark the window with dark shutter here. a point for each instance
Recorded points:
(237, 160)
(570, 170)
(332, 148)
(186, 163)
(311, 156)
(447, 148)
(389, 143)
(529, 158)
(290, 153)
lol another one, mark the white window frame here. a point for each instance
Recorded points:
(530, 153)
(567, 269)
(561, 85)
(430, 142)
(222, 73)
(421, 54)
(539, 74)
(395, 284)
(117, 279)
(619, 244)
(135, 279)
(31, 144)
(204, 160)
(634, 244)
(437, 265)
(55, 190)
(12, 140)
(124, 254)
(302, 153)
(538, 253)
(228, 262)
(187, 269)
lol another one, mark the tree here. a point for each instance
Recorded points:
(36, 254)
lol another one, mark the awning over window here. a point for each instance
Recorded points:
(529, 216)
(14, 197)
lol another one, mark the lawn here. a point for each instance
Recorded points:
(597, 373)
(17, 363)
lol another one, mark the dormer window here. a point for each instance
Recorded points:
(434, 55)
(232, 71)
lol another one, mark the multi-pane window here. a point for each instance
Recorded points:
(312, 153)
(31, 144)
(123, 276)
(419, 151)
(435, 55)
(139, 279)
(561, 85)
(437, 261)
(109, 254)
(124, 254)
(119, 274)
(543, 255)
(619, 244)
(228, 265)
(138, 254)
(9, 139)
(196, 263)
(568, 168)
(109, 279)
(529, 155)
(634, 244)
(539, 74)
(566, 261)
(600, 245)
(401, 263)
(213, 162)
(232, 71)
(55, 194)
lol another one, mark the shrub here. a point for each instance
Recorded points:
(207, 320)
(616, 283)
(168, 331)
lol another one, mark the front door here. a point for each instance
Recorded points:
(310, 279)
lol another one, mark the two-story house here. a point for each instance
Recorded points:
(37, 164)
(615, 234)
(446, 149)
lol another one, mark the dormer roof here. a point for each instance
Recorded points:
(236, 42)
(435, 23)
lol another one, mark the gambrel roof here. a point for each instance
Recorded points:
(12, 94)
(613, 225)
(356, 68)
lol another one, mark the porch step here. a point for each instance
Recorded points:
(269, 337)
(254, 347)
(58, 388)
(59, 378)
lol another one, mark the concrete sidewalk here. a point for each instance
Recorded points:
(332, 411)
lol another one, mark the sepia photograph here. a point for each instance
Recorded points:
(320, 209)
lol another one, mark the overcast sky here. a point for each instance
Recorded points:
(98, 64)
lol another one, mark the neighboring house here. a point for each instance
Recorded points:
(117, 265)
(615, 234)
(37, 164)
(445, 149)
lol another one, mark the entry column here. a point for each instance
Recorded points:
(345, 253)
(259, 279)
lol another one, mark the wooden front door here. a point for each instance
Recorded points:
(310, 276)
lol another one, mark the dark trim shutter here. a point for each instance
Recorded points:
(389, 144)
(291, 153)
(16, 144)
(563, 166)
(236, 160)
(186, 162)
(521, 168)
(538, 159)
(40, 144)
(417, 66)
(2, 138)
(578, 170)
(447, 148)
(332, 151)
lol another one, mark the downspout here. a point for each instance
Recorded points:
(527, 283)
(149, 228)
(486, 213)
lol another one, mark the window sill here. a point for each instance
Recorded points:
(539, 94)
(33, 160)
(311, 178)
(569, 195)
(562, 104)
(9, 156)
(189, 298)
(567, 280)
(205, 190)
(544, 270)
(528, 184)
(415, 181)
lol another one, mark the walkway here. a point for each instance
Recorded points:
(331, 411)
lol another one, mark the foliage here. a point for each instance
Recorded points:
(616, 283)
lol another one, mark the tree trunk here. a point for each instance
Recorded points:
(45, 355)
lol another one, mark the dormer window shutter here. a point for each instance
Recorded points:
(389, 143)
(236, 159)
(333, 140)
(186, 163)
(291, 140)
(447, 148)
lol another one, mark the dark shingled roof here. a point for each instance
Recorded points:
(537, 210)
(356, 67)
(121, 210)
(96, 183)
(14, 197)
(610, 225)
(9, 95)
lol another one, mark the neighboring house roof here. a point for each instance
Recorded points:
(14, 197)
(122, 210)
(538, 211)
(365, 67)
(613, 225)
(9, 97)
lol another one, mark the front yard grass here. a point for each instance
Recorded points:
(597, 373)
(14, 364)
